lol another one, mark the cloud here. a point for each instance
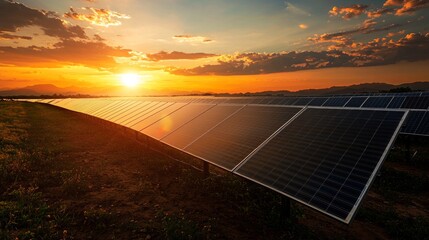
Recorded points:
(192, 39)
(407, 6)
(99, 17)
(177, 55)
(291, 8)
(348, 12)
(379, 12)
(303, 26)
(412, 47)
(15, 15)
(343, 38)
(65, 52)
(7, 36)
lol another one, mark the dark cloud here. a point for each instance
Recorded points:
(407, 6)
(412, 47)
(96, 16)
(98, 38)
(9, 36)
(177, 55)
(349, 12)
(65, 52)
(15, 15)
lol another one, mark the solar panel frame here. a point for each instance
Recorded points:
(369, 182)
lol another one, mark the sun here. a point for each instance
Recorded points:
(130, 80)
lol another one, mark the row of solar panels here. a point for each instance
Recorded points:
(417, 122)
(399, 101)
(325, 158)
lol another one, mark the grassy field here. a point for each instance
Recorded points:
(64, 176)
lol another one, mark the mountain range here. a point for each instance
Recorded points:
(49, 89)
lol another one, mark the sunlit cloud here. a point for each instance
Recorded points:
(380, 51)
(348, 12)
(177, 55)
(407, 6)
(99, 17)
(192, 39)
(14, 16)
(303, 26)
(64, 53)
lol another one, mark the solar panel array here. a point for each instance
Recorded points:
(321, 151)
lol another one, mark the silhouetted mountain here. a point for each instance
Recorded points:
(40, 89)
(49, 89)
(353, 89)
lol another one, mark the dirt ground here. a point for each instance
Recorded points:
(107, 185)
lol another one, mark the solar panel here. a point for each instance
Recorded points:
(175, 120)
(377, 102)
(232, 140)
(336, 102)
(417, 123)
(289, 101)
(355, 101)
(416, 103)
(156, 115)
(157, 106)
(192, 130)
(326, 158)
(396, 102)
(132, 110)
(317, 101)
(302, 101)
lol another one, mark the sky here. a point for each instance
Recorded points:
(190, 46)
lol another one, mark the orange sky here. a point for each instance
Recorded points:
(90, 45)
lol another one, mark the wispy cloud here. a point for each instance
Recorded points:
(348, 12)
(293, 9)
(192, 39)
(97, 16)
(177, 55)
(8, 36)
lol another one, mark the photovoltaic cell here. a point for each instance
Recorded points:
(356, 102)
(152, 118)
(302, 101)
(232, 140)
(416, 103)
(192, 130)
(175, 120)
(336, 102)
(325, 158)
(417, 123)
(377, 102)
(317, 101)
(144, 113)
(396, 102)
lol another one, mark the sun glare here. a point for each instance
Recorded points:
(130, 79)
